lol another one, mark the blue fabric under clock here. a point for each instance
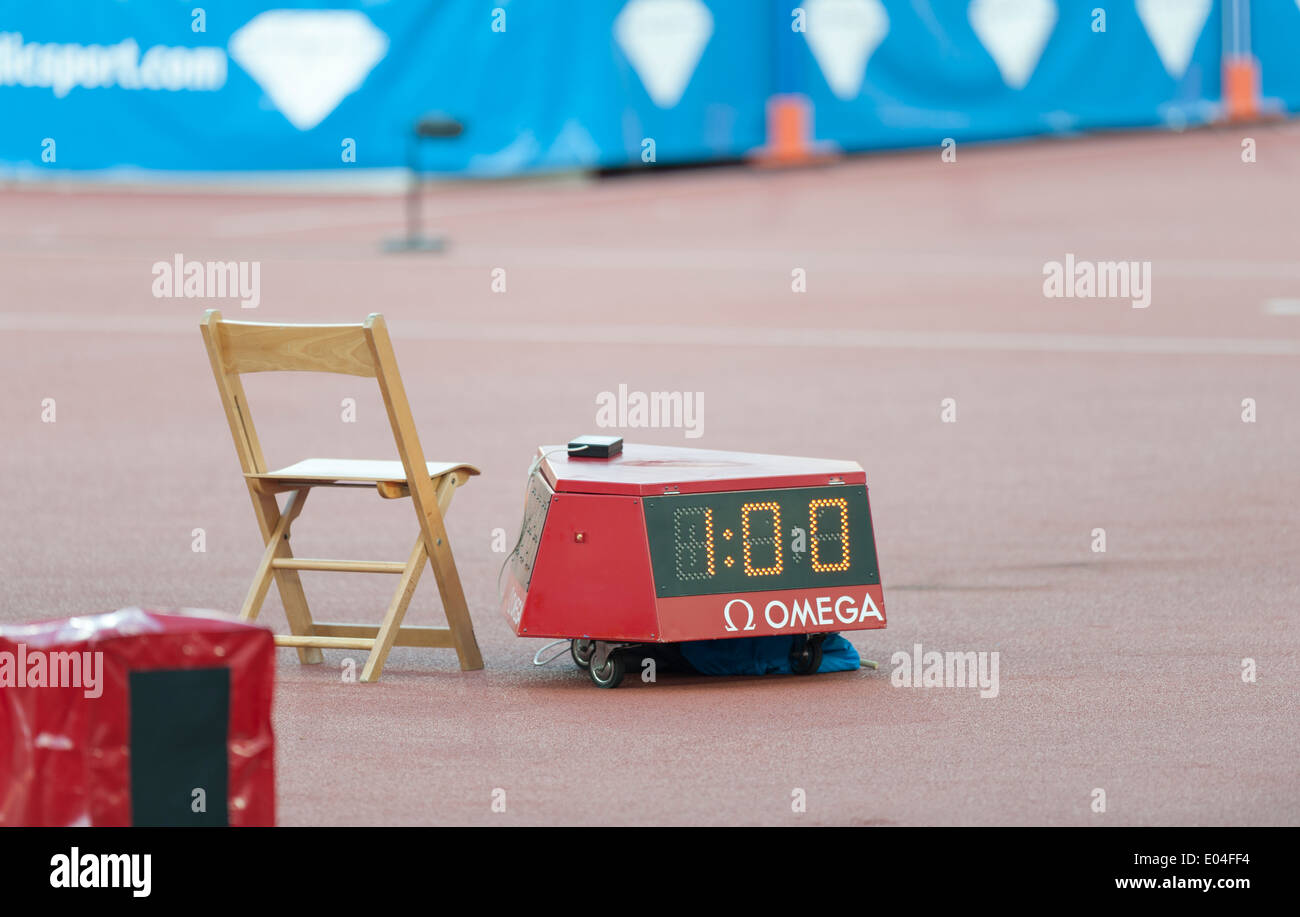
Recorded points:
(764, 655)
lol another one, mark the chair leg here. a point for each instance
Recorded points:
(457, 611)
(279, 538)
(387, 634)
(287, 582)
(453, 596)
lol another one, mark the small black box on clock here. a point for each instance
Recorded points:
(600, 447)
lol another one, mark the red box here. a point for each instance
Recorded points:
(137, 717)
(583, 567)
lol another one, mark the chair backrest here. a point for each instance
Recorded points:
(235, 348)
(255, 347)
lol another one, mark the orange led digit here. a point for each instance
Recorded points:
(842, 537)
(777, 564)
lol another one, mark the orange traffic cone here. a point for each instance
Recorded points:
(790, 133)
(1241, 88)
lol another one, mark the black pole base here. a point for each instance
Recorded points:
(417, 243)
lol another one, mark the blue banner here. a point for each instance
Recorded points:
(1004, 68)
(543, 85)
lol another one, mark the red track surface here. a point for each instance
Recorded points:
(1118, 670)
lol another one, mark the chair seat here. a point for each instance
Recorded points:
(329, 471)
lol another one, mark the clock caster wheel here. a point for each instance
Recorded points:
(581, 651)
(610, 674)
(806, 655)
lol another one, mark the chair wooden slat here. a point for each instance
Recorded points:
(251, 347)
(339, 566)
(362, 470)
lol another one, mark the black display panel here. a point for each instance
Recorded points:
(180, 725)
(759, 540)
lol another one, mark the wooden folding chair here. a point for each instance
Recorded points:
(236, 348)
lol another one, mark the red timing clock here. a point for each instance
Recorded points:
(662, 544)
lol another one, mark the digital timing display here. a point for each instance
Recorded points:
(751, 541)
